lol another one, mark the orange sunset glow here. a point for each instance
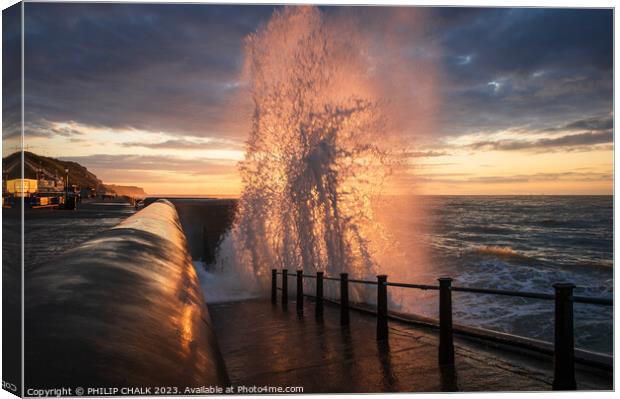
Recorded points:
(472, 120)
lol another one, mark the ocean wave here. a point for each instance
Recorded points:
(573, 224)
(594, 263)
(484, 229)
(503, 252)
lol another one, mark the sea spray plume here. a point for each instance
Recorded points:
(315, 156)
(335, 104)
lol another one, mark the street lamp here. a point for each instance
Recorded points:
(66, 185)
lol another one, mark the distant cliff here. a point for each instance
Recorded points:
(52, 168)
(132, 191)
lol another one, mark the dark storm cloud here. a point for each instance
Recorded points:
(596, 123)
(524, 41)
(174, 68)
(155, 67)
(11, 73)
(532, 68)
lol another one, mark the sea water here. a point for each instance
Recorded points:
(524, 243)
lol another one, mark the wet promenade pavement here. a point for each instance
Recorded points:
(262, 344)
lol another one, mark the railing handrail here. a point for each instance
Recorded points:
(352, 280)
(564, 344)
(476, 290)
(418, 286)
(593, 300)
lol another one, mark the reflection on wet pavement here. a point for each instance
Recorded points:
(263, 344)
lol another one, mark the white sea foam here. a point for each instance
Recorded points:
(223, 286)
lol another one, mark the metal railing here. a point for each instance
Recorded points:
(563, 345)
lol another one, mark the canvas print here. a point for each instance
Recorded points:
(298, 199)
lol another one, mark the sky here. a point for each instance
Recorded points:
(149, 95)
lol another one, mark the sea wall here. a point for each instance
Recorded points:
(124, 309)
(204, 221)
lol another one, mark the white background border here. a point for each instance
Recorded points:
(459, 3)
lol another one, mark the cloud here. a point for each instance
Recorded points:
(596, 123)
(593, 131)
(425, 154)
(175, 68)
(572, 140)
(113, 164)
(543, 72)
(465, 178)
(11, 77)
(68, 130)
(184, 144)
(538, 177)
(158, 67)
(45, 129)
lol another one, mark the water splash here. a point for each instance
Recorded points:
(320, 150)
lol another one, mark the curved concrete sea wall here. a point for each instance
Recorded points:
(204, 221)
(124, 309)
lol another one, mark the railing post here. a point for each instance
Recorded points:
(382, 308)
(446, 343)
(284, 287)
(318, 310)
(274, 285)
(344, 299)
(300, 291)
(564, 348)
